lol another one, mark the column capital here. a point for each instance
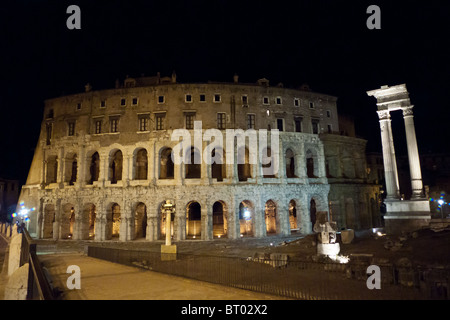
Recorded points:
(407, 111)
(384, 115)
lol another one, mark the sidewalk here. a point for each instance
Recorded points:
(103, 280)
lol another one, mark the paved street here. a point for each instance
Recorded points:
(102, 280)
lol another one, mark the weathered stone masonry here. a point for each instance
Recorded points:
(102, 166)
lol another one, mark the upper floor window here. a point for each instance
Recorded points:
(188, 98)
(202, 98)
(123, 102)
(278, 100)
(244, 100)
(48, 129)
(311, 105)
(98, 126)
(114, 124)
(265, 100)
(315, 126)
(190, 121)
(298, 124)
(159, 121)
(328, 113)
(71, 128)
(134, 101)
(280, 124)
(161, 99)
(221, 120)
(296, 102)
(250, 121)
(217, 97)
(103, 104)
(144, 121)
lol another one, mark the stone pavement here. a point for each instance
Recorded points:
(103, 280)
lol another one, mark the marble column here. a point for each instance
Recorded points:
(413, 153)
(390, 165)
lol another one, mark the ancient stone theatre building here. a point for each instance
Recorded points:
(103, 164)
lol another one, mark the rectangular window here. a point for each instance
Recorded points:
(71, 131)
(266, 100)
(202, 98)
(328, 114)
(123, 102)
(49, 128)
(103, 104)
(298, 124)
(160, 99)
(217, 97)
(221, 120)
(315, 126)
(159, 121)
(188, 98)
(79, 106)
(114, 124)
(280, 124)
(134, 102)
(144, 121)
(250, 121)
(311, 105)
(98, 126)
(278, 100)
(244, 100)
(330, 130)
(297, 102)
(190, 121)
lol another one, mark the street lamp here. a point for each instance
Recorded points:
(23, 214)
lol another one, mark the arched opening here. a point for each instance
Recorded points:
(73, 170)
(52, 169)
(193, 220)
(312, 213)
(244, 167)
(113, 222)
(116, 167)
(220, 221)
(218, 165)
(311, 167)
(140, 221)
(293, 216)
(166, 167)
(271, 217)
(49, 219)
(246, 214)
(290, 164)
(267, 164)
(193, 164)
(94, 168)
(141, 165)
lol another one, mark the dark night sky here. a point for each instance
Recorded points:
(323, 43)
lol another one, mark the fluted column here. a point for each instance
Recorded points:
(413, 153)
(390, 165)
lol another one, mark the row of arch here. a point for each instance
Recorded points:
(114, 171)
(89, 224)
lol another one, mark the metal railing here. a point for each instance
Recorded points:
(38, 285)
(288, 278)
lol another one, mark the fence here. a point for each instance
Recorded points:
(291, 279)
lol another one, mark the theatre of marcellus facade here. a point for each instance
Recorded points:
(103, 165)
